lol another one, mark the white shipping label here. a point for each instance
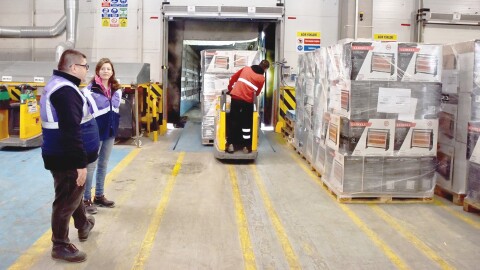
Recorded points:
(394, 100)
(410, 116)
(411, 185)
(450, 77)
(389, 185)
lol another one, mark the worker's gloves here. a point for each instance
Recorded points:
(117, 98)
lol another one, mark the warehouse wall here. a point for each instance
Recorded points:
(141, 40)
(451, 33)
(394, 17)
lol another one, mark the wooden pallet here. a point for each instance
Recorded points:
(287, 132)
(471, 206)
(375, 198)
(449, 195)
(289, 123)
(309, 163)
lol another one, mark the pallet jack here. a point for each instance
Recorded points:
(220, 139)
(20, 124)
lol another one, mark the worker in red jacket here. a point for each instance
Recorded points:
(245, 83)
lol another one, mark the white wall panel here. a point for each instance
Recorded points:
(389, 15)
(258, 3)
(311, 7)
(444, 34)
(310, 15)
(393, 9)
(449, 6)
(451, 33)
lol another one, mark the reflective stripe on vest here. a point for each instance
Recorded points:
(54, 125)
(91, 101)
(51, 123)
(104, 111)
(248, 83)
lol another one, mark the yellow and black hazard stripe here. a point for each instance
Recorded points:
(155, 110)
(287, 102)
(14, 92)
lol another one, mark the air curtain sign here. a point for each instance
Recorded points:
(114, 13)
(308, 41)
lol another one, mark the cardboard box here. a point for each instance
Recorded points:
(445, 166)
(374, 137)
(473, 145)
(328, 176)
(419, 62)
(450, 84)
(373, 174)
(460, 175)
(225, 61)
(372, 60)
(459, 59)
(447, 119)
(427, 173)
(347, 173)
(417, 138)
(473, 189)
(320, 157)
(333, 131)
(401, 175)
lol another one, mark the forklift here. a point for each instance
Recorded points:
(220, 139)
(20, 124)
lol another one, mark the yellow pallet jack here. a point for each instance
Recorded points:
(220, 140)
(20, 124)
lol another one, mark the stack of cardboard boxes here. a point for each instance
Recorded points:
(376, 111)
(454, 116)
(217, 68)
(472, 79)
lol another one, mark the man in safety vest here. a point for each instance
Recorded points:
(70, 142)
(243, 85)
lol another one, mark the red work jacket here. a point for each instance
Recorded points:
(244, 83)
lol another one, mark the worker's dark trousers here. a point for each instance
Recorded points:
(239, 127)
(68, 202)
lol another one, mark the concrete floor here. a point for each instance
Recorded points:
(177, 207)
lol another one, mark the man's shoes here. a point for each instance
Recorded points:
(68, 253)
(90, 207)
(230, 148)
(103, 202)
(245, 150)
(83, 233)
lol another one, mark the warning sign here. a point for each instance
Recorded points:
(385, 37)
(123, 22)
(114, 13)
(308, 41)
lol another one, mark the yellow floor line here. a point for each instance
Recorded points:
(463, 218)
(396, 260)
(149, 239)
(44, 243)
(292, 258)
(426, 250)
(248, 255)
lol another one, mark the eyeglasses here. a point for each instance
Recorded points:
(86, 66)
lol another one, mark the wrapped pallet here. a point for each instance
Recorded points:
(217, 68)
(457, 119)
(375, 117)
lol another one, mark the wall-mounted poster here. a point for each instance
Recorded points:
(114, 13)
